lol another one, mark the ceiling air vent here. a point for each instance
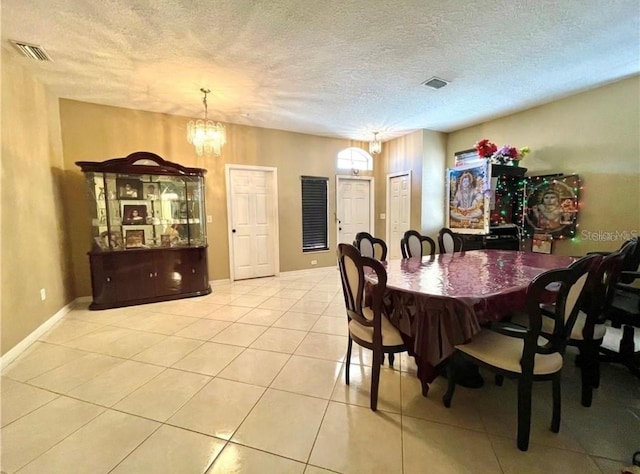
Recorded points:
(435, 83)
(32, 51)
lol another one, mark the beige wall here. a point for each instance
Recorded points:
(594, 134)
(399, 155)
(423, 153)
(34, 241)
(95, 133)
(433, 178)
(45, 221)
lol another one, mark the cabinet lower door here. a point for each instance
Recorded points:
(144, 276)
(181, 271)
(121, 277)
(196, 275)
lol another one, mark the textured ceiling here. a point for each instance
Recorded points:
(340, 68)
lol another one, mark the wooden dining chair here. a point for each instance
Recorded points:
(448, 242)
(414, 244)
(370, 246)
(368, 325)
(622, 340)
(524, 353)
(631, 261)
(584, 327)
(631, 251)
(589, 330)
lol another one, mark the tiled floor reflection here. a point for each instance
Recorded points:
(250, 379)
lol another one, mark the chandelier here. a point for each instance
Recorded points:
(375, 146)
(205, 135)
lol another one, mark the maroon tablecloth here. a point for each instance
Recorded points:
(440, 301)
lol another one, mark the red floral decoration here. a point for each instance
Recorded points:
(485, 148)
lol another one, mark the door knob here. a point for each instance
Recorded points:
(233, 231)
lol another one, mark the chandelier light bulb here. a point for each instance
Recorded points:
(375, 146)
(206, 136)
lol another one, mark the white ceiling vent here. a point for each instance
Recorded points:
(435, 83)
(32, 51)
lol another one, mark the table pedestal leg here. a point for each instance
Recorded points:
(425, 388)
(467, 374)
(425, 375)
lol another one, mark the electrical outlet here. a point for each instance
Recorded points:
(383, 216)
(43, 294)
(314, 262)
(209, 219)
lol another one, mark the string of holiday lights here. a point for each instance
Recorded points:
(516, 198)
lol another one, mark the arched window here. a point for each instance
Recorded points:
(354, 158)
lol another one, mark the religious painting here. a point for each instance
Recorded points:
(551, 205)
(468, 188)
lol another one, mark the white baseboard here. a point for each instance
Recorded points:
(214, 283)
(19, 348)
(14, 352)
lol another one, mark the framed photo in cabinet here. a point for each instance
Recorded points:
(129, 188)
(151, 191)
(134, 214)
(116, 240)
(134, 238)
(101, 243)
(187, 209)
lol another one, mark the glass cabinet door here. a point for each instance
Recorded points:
(196, 212)
(146, 211)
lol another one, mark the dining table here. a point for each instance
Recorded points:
(440, 301)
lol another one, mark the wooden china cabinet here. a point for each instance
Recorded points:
(148, 230)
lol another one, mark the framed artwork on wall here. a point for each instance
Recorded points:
(551, 205)
(468, 188)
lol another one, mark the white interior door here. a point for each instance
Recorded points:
(252, 205)
(398, 211)
(354, 207)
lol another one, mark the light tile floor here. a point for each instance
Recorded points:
(250, 379)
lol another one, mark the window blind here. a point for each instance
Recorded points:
(315, 235)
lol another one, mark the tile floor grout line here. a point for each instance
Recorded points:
(567, 423)
(62, 439)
